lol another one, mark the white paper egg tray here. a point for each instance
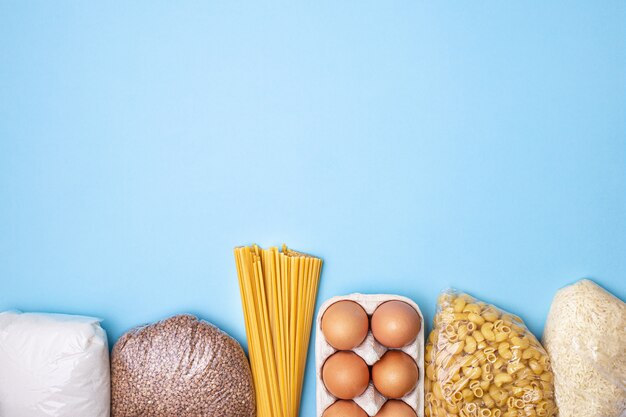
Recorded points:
(371, 351)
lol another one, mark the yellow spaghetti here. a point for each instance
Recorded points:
(278, 291)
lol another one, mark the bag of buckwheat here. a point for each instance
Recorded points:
(180, 367)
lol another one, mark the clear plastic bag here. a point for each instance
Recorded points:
(53, 365)
(180, 367)
(483, 362)
(585, 336)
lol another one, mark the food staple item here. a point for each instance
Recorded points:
(53, 365)
(345, 375)
(180, 367)
(395, 408)
(278, 292)
(484, 362)
(395, 374)
(345, 325)
(344, 408)
(396, 386)
(585, 336)
(395, 324)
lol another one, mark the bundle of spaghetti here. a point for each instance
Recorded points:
(278, 293)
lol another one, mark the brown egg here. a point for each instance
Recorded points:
(345, 325)
(395, 374)
(396, 408)
(345, 375)
(343, 408)
(395, 324)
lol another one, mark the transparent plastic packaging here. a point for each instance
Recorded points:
(53, 365)
(483, 362)
(585, 336)
(180, 367)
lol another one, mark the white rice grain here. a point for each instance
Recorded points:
(585, 336)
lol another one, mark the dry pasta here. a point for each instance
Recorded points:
(483, 362)
(585, 336)
(278, 292)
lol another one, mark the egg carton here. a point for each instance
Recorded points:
(371, 351)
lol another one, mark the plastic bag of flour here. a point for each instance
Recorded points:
(585, 336)
(53, 365)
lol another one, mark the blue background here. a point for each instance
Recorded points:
(413, 145)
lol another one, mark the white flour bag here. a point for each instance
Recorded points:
(53, 365)
(585, 336)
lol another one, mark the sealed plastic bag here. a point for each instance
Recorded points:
(585, 336)
(180, 367)
(53, 365)
(483, 362)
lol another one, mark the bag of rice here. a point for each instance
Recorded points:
(53, 365)
(180, 367)
(585, 336)
(483, 362)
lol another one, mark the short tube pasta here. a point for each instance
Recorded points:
(483, 362)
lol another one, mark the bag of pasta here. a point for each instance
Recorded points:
(483, 362)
